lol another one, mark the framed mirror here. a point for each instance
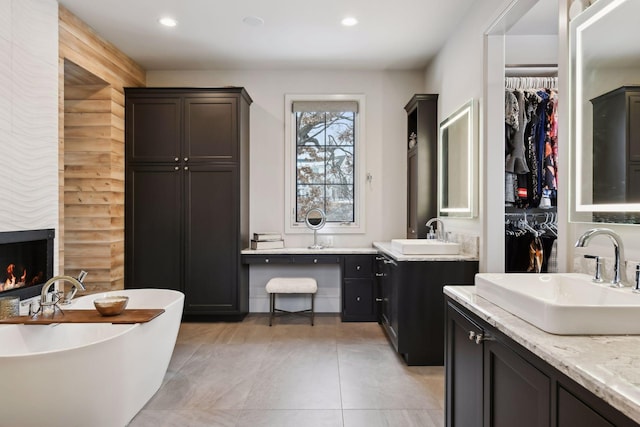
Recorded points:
(315, 220)
(457, 164)
(605, 113)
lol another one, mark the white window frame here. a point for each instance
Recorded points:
(356, 227)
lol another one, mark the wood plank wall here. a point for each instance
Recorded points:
(93, 74)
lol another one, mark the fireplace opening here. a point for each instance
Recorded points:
(26, 262)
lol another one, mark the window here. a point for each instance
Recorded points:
(324, 160)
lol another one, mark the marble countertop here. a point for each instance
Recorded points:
(608, 366)
(307, 251)
(385, 247)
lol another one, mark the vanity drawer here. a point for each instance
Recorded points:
(358, 300)
(358, 266)
(267, 259)
(316, 259)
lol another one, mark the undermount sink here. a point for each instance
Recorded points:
(424, 247)
(563, 303)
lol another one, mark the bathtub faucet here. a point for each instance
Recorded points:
(66, 297)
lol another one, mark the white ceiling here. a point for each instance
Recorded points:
(399, 34)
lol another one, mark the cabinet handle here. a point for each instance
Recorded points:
(379, 300)
(379, 258)
(379, 274)
(478, 338)
(176, 159)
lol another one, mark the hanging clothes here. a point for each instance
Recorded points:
(530, 143)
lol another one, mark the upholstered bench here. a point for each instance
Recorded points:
(290, 285)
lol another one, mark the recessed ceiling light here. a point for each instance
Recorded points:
(349, 21)
(254, 21)
(168, 22)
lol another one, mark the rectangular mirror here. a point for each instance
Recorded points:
(457, 164)
(605, 113)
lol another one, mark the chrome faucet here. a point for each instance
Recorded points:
(441, 235)
(68, 296)
(619, 274)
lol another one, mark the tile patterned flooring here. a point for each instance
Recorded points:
(247, 374)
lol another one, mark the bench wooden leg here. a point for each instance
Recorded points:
(312, 311)
(272, 307)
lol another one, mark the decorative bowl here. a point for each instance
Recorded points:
(111, 306)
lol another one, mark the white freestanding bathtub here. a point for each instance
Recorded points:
(87, 374)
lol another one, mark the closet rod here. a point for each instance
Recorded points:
(531, 70)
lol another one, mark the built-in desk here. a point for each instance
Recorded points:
(356, 270)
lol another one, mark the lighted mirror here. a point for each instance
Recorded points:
(605, 140)
(457, 159)
(315, 220)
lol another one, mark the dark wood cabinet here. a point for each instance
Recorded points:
(463, 365)
(422, 163)
(516, 393)
(358, 289)
(616, 146)
(412, 304)
(492, 381)
(186, 197)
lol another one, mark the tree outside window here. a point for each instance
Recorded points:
(325, 164)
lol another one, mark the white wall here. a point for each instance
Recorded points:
(457, 74)
(387, 92)
(29, 115)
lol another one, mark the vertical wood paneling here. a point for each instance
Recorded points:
(93, 74)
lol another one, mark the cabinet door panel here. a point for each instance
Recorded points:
(516, 393)
(153, 129)
(212, 256)
(464, 371)
(153, 231)
(358, 298)
(574, 412)
(211, 129)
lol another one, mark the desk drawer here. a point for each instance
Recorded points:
(316, 259)
(358, 266)
(267, 259)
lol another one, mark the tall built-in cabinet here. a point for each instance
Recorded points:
(187, 195)
(422, 163)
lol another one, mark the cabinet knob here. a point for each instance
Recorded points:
(176, 159)
(266, 260)
(176, 168)
(186, 159)
(472, 335)
(358, 267)
(315, 260)
(186, 168)
(358, 299)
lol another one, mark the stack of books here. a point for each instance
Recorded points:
(267, 241)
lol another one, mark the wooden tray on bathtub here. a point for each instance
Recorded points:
(135, 315)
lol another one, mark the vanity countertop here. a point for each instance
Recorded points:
(307, 251)
(607, 365)
(385, 247)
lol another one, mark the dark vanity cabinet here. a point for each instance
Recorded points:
(616, 146)
(422, 147)
(358, 289)
(412, 304)
(187, 195)
(357, 271)
(492, 381)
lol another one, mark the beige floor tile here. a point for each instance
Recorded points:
(387, 418)
(292, 374)
(290, 418)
